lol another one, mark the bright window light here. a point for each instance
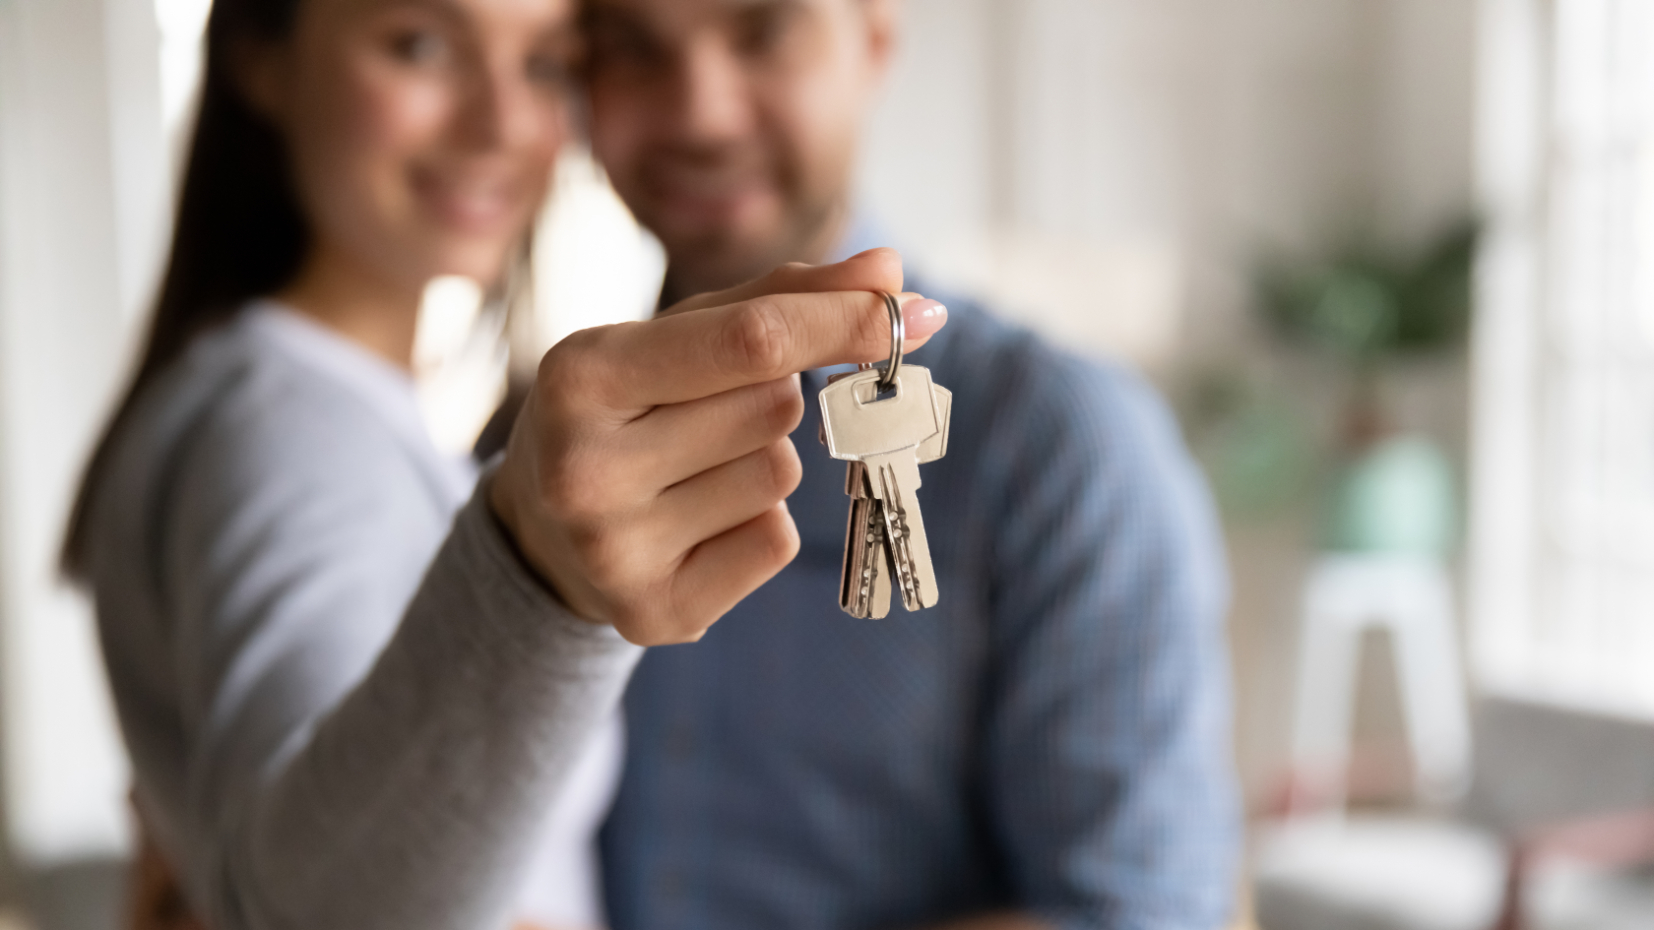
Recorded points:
(182, 24)
(1564, 482)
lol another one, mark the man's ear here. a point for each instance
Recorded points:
(883, 27)
(260, 71)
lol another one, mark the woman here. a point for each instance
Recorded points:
(346, 705)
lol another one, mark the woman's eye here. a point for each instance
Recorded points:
(418, 46)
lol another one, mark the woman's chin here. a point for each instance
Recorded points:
(483, 262)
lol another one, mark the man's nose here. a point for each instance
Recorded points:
(712, 100)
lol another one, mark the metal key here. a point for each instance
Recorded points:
(864, 586)
(864, 580)
(886, 435)
(864, 590)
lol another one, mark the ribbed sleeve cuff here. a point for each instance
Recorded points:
(509, 590)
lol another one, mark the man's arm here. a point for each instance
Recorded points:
(1107, 756)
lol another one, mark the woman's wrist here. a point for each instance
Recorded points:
(502, 506)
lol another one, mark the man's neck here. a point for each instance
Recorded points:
(687, 277)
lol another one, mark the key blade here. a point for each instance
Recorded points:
(864, 586)
(853, 524)
(855, 480)
(896, 482)
(875, 572)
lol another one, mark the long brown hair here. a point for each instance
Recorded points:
(239, 234)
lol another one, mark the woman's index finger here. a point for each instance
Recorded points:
(699, 353)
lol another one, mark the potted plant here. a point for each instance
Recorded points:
(1367, 308)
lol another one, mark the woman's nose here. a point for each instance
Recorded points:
(503, 109)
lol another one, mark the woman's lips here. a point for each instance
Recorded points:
(470, 204)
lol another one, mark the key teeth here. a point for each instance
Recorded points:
(860, 584)
(899, 535)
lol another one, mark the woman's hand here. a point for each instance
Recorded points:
(646, 476)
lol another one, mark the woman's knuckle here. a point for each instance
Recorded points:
(607, 562)
(580, 368)
(776, 405)
(574, 489)
(562, 373)
(756, 339)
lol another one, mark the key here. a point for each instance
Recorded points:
(864, 578)
(864, 590)
(886, 436)
(864, 587)
(894, 477)
(929, 451)
(937, 446)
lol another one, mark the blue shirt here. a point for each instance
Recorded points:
(1051, 738)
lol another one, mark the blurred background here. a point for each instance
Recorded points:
(1392, 261)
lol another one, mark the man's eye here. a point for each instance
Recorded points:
(612, 44)
(764, 28)
(418, 46)
(548, 68)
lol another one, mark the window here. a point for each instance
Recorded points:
(1563, 532)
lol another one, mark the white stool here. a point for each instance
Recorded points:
(1320, 870)
(1411, 597)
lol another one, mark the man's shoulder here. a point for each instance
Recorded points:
(1017, 381)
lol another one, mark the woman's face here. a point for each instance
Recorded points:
(421, 132)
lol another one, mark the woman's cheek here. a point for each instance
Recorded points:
(403, 116)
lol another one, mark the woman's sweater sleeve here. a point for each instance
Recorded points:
(353, 759)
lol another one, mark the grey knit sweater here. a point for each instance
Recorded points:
(346, 706)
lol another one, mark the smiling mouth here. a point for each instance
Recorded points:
(472, 204)
(703, 197)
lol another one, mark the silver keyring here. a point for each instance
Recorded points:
(898, 335)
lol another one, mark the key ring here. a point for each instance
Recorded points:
(898, 335)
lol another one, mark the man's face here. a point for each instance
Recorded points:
(730, 126)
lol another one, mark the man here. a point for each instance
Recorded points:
(1048, 746)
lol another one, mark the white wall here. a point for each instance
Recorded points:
(1150, 146)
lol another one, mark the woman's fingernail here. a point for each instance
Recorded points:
(923, 317)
